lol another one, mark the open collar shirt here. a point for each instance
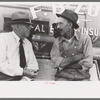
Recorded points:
(9, 54)
(79, 43)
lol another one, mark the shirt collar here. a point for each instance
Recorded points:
(77, 35)
(16, 37)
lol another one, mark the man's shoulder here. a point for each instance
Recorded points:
(85, 36)
(81, 35)
(6, 35)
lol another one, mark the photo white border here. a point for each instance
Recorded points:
(49, 89)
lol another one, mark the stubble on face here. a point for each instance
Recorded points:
(66, 32)
(64, 27)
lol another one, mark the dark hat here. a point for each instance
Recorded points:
(71, 16)
(20, 18)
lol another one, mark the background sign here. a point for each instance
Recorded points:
(41, 27)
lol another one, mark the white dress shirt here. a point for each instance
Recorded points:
(9, 54)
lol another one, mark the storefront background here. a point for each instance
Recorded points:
(44, 15)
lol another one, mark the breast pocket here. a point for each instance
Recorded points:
(72, 51)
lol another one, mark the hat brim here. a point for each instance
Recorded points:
(19, 22)
(75, 25)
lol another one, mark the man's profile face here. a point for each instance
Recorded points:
(63, 25)
(24, 30)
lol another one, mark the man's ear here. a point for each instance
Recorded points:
(15, 27)
(12, 26)
(70, 25)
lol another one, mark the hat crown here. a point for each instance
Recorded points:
(20, 18)
(70, 15)
(20, 15)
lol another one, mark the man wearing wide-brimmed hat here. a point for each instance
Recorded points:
(17, 59)
(71, 53)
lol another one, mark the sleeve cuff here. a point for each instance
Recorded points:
(24, 78)
(19, 71)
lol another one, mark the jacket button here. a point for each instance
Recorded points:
(75, 47)
(72, 53)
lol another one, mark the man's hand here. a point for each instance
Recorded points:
(30, 73)
(69, 60)
(77, 57)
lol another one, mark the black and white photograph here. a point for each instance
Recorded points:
(49, 43)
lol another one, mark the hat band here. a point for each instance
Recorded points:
(22, 20)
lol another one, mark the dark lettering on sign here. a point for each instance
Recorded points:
(41, 27)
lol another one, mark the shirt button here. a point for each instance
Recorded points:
(65, 56)
(72, 53)
(75, 47)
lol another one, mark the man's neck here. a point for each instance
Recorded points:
(69, 35)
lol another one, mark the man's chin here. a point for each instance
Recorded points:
(62, 34)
